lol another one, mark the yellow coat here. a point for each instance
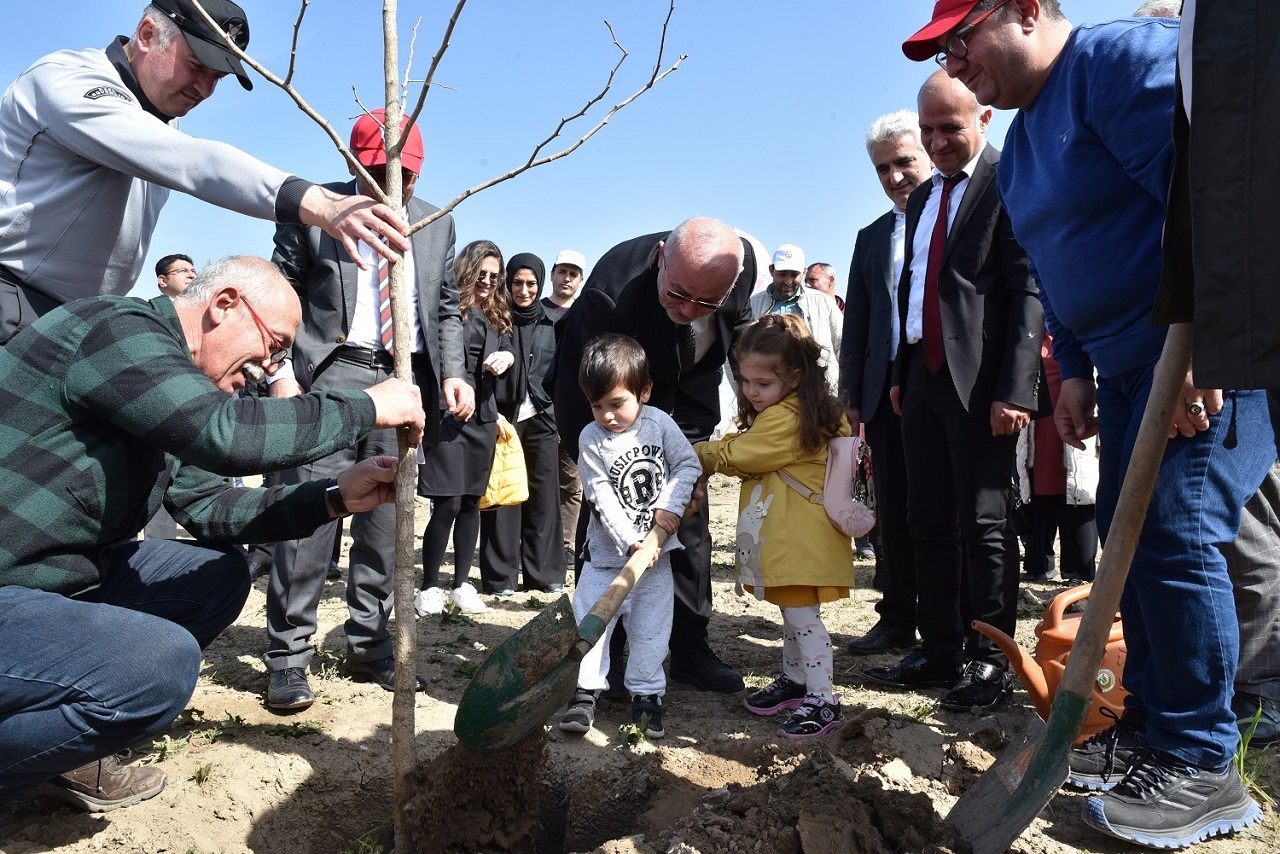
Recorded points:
(783, 540)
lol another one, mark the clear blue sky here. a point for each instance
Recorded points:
(761, 126)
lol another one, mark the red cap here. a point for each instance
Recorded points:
(947, 15)
(366, 142)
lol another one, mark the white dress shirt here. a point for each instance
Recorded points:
(364, 330)
(923, 237)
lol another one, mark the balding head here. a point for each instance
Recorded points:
(698, 264)
(952, 122)
(234, 315)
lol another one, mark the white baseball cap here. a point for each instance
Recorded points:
(789, 257)
(570, 256)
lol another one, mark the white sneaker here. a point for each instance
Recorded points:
(428, 602)
(467, 599)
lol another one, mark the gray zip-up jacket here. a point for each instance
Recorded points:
(86, 164)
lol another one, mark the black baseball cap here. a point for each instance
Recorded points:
(204, 41)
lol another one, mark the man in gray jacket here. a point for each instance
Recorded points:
(90, 148)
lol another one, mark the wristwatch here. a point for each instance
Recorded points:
(333, 498)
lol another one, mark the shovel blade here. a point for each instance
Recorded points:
(1013, 791)
(521, 683)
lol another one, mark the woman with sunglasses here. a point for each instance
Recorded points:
(527, 534)
(457, 469)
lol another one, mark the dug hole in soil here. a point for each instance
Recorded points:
(241, 778)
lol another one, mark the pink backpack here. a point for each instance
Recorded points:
(845, 497)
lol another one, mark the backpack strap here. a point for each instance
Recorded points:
(805, 492)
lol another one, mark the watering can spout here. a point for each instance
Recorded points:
(1028, 669)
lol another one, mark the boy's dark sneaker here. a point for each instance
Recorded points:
(1249, 706)
(1164, 803)
(581, 714)
(646, 714)
(981, 688)
(782, 694)
(1102, 760)
(815, 716)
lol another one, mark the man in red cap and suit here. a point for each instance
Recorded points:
(344, 343)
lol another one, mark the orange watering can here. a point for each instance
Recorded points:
(1041, 673)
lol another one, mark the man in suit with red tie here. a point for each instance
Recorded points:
(345, 342)
(867, 352)
(965, 380)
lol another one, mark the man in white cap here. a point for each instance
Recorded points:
(566, 279)
(818, 310)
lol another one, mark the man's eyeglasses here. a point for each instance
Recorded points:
(701, 303)
(955, 46)
(278, 352)
(482, 277)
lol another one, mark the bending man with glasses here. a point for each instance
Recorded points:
(109, 406)
(683, 296)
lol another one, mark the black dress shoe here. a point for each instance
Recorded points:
(703, 669)
(914, 671)
(258, 568)
(289, 691)
(880, 639)
(980, 689)
(382, 671)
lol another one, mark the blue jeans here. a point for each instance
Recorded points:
(87, 677)
(1180, 623)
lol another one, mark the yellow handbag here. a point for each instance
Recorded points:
(508, 479)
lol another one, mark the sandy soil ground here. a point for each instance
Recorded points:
(244, 779)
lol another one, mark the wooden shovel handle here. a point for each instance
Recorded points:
(611, 600)
(1131, 511)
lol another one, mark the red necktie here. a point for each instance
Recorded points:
(386, 328)
(931, 312)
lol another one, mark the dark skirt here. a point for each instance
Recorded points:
(460, 464)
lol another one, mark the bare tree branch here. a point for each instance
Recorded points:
(293, 47)
(435, 63)
(534, 160)
(372, 186)
(408, 65)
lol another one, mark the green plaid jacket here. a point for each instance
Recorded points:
(103, 416)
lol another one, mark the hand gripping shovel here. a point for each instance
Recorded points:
(1011, 793)
(533, 673)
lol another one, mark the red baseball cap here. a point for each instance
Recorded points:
(947, 15)
(366, 142)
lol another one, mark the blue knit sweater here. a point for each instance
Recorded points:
(1084, 175)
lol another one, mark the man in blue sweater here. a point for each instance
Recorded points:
(1084, 176)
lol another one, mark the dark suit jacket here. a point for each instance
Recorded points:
(622, 296)
(992, 320)
(326, 279)
(868, 317)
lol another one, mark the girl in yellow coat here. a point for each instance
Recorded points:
(788, 552)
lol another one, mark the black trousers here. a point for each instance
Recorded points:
(897, 605)
(527, 535)
(960, 497)
(1073, 525)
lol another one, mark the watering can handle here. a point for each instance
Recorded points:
(1058, 605)
(594, 623)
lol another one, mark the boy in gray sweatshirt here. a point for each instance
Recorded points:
(638, 472)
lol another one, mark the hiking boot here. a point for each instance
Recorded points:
(703, 669)
(429, 602)
(814, 717)
(646, 714)
(467, 600)
(981, 688)
(782, 694)
(1100, 761)
(106, 785)
(1164, 803)
(581, 714)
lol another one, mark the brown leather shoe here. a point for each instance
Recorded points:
(106, 785)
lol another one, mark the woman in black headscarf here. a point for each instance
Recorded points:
(527, 534)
